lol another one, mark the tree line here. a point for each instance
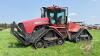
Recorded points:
(4, 25)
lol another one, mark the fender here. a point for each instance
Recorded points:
(73, 27)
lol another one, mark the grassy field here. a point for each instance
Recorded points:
(10, 47)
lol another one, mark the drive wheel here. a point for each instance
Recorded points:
(77, 39)
(39, 44)
(60, 42)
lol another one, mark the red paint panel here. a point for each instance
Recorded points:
(73, 27)
(31, 24)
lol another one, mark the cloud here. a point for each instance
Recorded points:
(73, 14)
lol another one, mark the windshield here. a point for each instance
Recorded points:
(52, 19)
(57, 17)
(60, 17)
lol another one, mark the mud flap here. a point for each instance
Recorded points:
(19, 35)
(81, 35)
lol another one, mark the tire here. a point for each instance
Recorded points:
(60, 42)
(77, 39)
(39, 44)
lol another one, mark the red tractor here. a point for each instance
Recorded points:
(51, 29)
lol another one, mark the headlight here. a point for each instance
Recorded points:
(15, 29)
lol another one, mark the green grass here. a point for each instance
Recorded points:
(10, 47)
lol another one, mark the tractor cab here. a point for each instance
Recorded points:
(56, 15)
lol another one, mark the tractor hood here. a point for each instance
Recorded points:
(36, 21)
(30, 25)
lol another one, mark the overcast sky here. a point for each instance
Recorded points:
(87, 11)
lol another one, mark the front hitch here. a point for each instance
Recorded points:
(19, 34)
